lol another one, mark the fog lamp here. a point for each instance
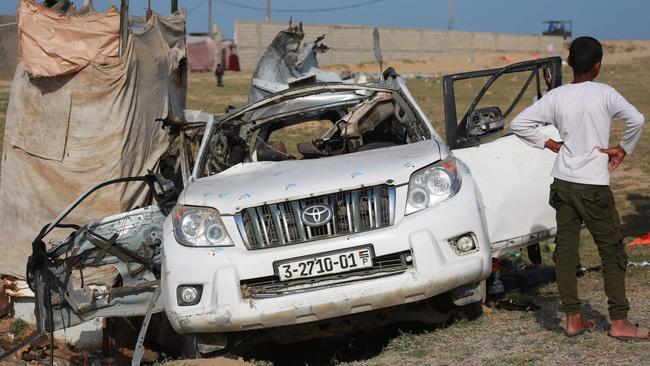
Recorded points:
(465, 243)
(188, 295)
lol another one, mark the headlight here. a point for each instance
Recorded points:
(432, 185)
(199, 227)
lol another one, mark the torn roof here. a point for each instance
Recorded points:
(286, 62)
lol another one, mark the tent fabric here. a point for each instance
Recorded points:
(67, 133)
(53, 44)
(201, 54)
(229, 55)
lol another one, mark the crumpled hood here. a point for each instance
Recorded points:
(254, 184)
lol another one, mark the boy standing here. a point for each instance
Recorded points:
(582, 112)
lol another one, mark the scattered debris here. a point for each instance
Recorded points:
(642, 240)
(638, 264)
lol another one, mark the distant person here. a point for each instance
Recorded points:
(582, 112)
(218, 72)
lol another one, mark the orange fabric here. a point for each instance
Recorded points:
(52, 44)
(642, 240)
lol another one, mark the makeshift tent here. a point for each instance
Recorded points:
(68, 132)
(52, 43)
(201, 53)
(229, 56)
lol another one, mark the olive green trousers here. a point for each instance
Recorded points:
(594, 205)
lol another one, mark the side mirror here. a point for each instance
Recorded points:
(483, 121)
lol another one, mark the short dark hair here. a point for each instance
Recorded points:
(584, 53)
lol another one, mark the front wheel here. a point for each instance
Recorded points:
(472, 311)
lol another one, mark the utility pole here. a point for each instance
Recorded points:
(124, 25)
(450, 15)
(88, 3)
(174, 6)
(268, 9)
(210, 18)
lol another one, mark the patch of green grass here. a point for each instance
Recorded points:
(18, 326)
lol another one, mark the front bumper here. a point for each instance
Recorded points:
(436, 268)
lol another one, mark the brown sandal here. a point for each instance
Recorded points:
(642, 334)
(587, 326)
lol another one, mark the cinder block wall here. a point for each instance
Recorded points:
(8, 46)
(353, 44)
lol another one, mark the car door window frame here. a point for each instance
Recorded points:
(457, 131)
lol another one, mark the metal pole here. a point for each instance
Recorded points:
(174, 6)
(450, 15)
(210, 18)
(124, 25)
(268, 9)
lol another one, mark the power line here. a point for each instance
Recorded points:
(315, 10)
(196, 7)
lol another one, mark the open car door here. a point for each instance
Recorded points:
(512, 177)
(108, 267)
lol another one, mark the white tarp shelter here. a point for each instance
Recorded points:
(79, 115)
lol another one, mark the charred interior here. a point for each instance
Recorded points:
(341, 121)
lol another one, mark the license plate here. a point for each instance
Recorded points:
(331, 263)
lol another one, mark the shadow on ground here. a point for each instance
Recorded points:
(547, 315)
(331, 351)
(638, 223)
(365, 338)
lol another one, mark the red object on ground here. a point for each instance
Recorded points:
(641, 240)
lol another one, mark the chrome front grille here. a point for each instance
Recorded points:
(353, 211)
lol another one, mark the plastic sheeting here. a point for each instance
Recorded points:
(67, 133)
(229, 56)
(53, 44)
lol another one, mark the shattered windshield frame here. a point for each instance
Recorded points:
(229, 139)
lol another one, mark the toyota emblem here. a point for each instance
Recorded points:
(316, 215)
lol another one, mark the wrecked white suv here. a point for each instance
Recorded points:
(312, 203)
(368, 209)
(372, 211)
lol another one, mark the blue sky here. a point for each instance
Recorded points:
(604, 19)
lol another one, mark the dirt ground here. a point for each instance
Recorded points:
(499, 336)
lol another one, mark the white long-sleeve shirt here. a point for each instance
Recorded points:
(583, 114)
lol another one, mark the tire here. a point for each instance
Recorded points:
(473, 311)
